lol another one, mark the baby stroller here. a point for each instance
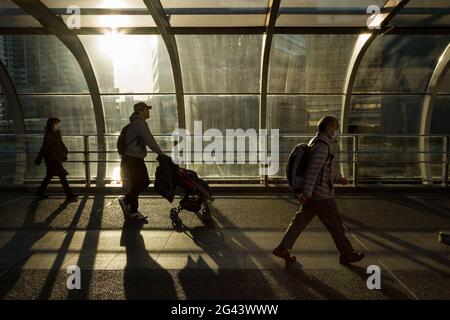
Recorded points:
(196, 194)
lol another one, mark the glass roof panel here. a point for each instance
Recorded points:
(14, 17)
(427, 13)
(309, 63)
(400, 63)
(216, 13)
(312, 13)
(130, 63)
(113, 4)
(105, 13)
(219, 4)
(256, 20)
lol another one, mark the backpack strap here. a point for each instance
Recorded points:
(328, 157)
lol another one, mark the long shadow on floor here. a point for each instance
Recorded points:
(143, 277)
(415, 250)
(47, 287)
(23, 240)
(88, 250)
(417, 203)
(252, 283)
(226, 280)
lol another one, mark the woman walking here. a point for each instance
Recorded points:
(54, 152)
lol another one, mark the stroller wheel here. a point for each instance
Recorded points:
(206, 214)
(174, 215)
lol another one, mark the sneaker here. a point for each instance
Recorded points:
(351, 258)
(137, 216)
(41, 195)
(283, 253)
(125, 207)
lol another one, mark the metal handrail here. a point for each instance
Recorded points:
(353, 153)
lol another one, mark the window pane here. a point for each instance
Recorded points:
(130, 64)
(6, 117)
(74, 164)
(300, 114)
(41, 64)
(441, 116)
(163, 116)
(400, 64)
(309, 63)
(222, 112)
(385, 114)
(76, 113)
(445, 86)
(220, 63)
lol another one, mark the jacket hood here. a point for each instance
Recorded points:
(134, 116)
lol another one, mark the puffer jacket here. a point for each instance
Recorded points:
(317, 185)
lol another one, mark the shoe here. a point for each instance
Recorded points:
(41, 195)
(283, 253)
(137, 216)
(71, 196)
(351, 258)
(125, 207)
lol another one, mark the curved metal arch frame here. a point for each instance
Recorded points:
(13, 101)
(156, 10)
(270, 22)
(436, 80)
(360, 49)
(58, 28)
(362, 44)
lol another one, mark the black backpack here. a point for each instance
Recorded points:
(298, 163)
(122, 141)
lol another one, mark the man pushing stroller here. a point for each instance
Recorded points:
(131, 145)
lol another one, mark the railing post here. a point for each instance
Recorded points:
(445, 161)
(87, 164)
(355, 160)
(266, 168)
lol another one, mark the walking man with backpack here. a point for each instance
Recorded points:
(132, 147)
(317, 195)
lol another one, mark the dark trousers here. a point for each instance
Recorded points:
(136, 173)
(328, 213)
(47, 180)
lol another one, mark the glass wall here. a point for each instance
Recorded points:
(221, 79)
(221, 75)
(306, 81)
(49, 83)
